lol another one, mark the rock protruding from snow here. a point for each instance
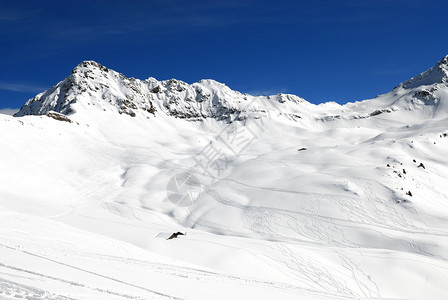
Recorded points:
(58, 116)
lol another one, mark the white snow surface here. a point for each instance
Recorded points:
(282, 199)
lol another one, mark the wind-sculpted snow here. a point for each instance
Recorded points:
(276, 197)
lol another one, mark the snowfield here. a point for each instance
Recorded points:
(279, 198)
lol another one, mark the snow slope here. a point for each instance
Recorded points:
(278, 197)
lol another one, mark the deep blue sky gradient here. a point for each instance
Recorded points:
(320, 50)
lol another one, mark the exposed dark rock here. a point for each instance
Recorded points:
(58, 116)
(175, 235)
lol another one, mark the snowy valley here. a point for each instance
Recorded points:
(278, 197)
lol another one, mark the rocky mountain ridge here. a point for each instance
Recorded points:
(92, 85)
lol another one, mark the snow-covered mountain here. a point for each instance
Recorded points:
(278, 197)
(92, 86)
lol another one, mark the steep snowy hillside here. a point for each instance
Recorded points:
(279, 198)
(426, 94)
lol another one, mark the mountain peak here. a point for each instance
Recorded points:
(443, 61)
(93, 87)
(435, 75)
(90, 64)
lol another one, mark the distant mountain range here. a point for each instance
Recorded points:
(92, 86)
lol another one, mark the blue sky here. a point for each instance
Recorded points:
(320, 50)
